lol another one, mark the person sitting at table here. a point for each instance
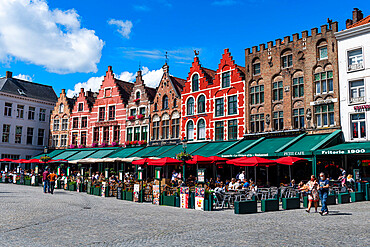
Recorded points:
(238, 184)
(232, 185)
(245, 184)
(219, 188)
(218, 180)
(253, 186)
(293, 184)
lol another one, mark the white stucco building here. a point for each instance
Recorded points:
(25, 109)
(354, 78)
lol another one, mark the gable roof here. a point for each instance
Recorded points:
(71, 102)
(178, 83)
(125, 89)
(91, 97)
(27, 89)
(150, 92)
(361, 22)
(210, 74)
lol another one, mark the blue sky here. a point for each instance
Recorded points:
(37, 44)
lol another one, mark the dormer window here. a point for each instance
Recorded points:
(80, 106)
(195, 83)
(138, 95)
(61, 108)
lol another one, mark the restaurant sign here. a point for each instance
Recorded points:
(295, 153)
(361, 107)
(347, 151)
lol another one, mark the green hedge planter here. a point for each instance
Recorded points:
(129, 196)
(27, 182)
(245, 207)
(208, 203)
(331, 200)
(169, 200)
(18, 181)
(357, 196)
(270, 205)
(305, 201)
(367, 191)
(291, 203)
(343, 198)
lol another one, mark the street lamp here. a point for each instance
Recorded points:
(45, 150)
(184, 157)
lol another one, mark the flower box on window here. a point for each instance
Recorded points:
(104, 144)
(136, 100)
(140, 116)
(142, 143)
(114, 144)
(127, 143)
(94, 145)
(131, 118)
(72, 146)
(81, 146)
(134, 142)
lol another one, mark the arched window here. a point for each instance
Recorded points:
(138, 95)
(201, 104)
(195, 82)
(201, 129)
(190, 107)
(165, 102)
(61, 108)
(190, 130)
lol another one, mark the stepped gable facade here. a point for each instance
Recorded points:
(108, 115)
(165, 110)
(293, 84)
(212, 105)
(138, 112)
(59, 121)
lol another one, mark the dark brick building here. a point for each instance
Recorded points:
(293, 84)
(165, 110)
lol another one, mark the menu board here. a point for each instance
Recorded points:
(199, 198)
(156, 194)
(201, 178)
(136, 192)
(184, 197)
(103, 188)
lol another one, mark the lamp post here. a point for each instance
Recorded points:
(184, 145)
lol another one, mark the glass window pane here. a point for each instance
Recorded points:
(317, 77)
(318, 88)
(323, 75)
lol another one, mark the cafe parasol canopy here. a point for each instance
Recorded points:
(167, 161)
(198, 159)
(216, 159)
(142, 162)
(289, 161)
(252, 161)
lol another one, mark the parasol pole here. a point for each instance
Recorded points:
(290, 173)
(255, 174)
(267, 174)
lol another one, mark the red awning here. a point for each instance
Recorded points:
(197, 159)
(289, 160)
(6, 160)
(251, 161)
(141, 162)
(216, 159)
(165, 162)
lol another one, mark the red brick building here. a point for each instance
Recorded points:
(212, 104)
(293, 84)
(108, 114)
(165, 110)
(80, 119)
(138, 111)
(59, 121)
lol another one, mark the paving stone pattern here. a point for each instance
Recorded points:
(30, 218)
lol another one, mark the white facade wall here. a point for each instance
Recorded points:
(351, 40)
(23, 149)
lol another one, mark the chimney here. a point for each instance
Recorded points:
(82, 90)
(357, 15)
(9, 74)
(349, 23)
(165, 68)
(63, 91)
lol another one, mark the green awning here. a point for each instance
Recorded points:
(267, 147)
(81, 154)
(145, 151)
(65, 155)
(191, 148)
(102, 153)
(159, 151)
(52, 154)
(212, 148)
(304, 145)
(125, 152)
(346, 148)
(233, 151)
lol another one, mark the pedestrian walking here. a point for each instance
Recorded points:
(46, 181)
(323, 193)
(313, 194)
(52, 178)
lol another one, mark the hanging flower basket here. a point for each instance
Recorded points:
(131, 118)
(136, 100)
(45, 158)
(140, 116)
(95, 145)
(183, 156)
(72, 146)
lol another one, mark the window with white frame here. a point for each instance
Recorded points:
(219, 131)
(61, 108)
(358, 126)
(287, 61)
(195, 83)
(56, 124)
(190, 131)
(232, 129)
(40, 137)
(232, 106)
(324, 115)
(226, 79)
(278, 120)
(31, 113)
(256, 67)
(357, 91)
(18, 134)
(257, 123)
(323, 52)
(42, 115)
(298, 118)
(6, 132)
(355, 60)
(63, 140)
(201, 130)
(219, 107)
(324, 82)
(156, 130)
(175, 128)
(64, 123)
(201, 104)
(165, 129)
(8, 109)
(257, 94)
(190, 106)
(29, 136)
(20, 111)
(298, 87)
(55, 140)
(277, 91)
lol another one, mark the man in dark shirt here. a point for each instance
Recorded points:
(46, 181)
(323, 193)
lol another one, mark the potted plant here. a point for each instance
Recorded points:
(140, 116)
(131, 118)
(81, 146)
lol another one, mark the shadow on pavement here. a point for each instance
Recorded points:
(334, 213)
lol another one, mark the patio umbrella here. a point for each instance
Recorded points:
(20, 161)
(216, 159)
(6, 160)
(251, 161)
(289, 161)
(141, 162)
(167, 161)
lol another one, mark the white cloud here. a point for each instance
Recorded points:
(124, 28)
(33, 33)
(151, 79)
(92, 84)
(24, 77)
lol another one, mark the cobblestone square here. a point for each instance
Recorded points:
(30, 218)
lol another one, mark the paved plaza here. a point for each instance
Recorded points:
(30, 218)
